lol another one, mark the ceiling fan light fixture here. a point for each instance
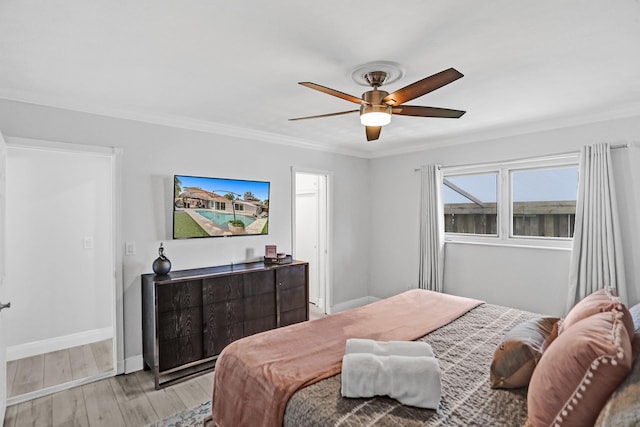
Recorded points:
(375, 115)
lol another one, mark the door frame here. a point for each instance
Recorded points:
(328, 175)
(115, 154)
(3, 342)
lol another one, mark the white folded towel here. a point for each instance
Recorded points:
(388, 348)
(411, 380)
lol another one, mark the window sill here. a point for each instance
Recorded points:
(556, 245)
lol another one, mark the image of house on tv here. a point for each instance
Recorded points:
(219, 207)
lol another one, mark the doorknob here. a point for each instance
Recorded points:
(7, 305)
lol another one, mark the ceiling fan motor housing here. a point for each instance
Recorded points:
(374, 99)
(374, 104)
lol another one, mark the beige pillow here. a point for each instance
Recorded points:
(552, 336)
(517, 355)
(597, 302)
(635, 316)
(576, 375)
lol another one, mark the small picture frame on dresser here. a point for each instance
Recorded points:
(270, 251)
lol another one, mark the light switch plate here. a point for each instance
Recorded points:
(87, 242)
(130, 248)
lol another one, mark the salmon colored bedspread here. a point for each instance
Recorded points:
(255, 376)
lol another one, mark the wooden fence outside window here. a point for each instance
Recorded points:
(546, 219)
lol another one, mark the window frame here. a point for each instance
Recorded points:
(504, 201)
(498, 201)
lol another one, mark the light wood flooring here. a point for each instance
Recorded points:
(124, 400)
(58, 367)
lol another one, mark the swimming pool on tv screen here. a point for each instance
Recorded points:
(222, 218)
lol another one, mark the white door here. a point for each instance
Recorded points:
(3, 296)
(307, 239)
(311, 231)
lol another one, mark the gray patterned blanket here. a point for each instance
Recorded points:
(464, 349)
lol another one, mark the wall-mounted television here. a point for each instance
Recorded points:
(219, 207)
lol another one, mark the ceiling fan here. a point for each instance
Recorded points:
(377, 106)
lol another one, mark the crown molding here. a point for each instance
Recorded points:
(521, 128)
(174, 121)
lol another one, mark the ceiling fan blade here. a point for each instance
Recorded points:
(412, 110)
(422, 87)
(325, 115)
(373, 132)
(334, 92)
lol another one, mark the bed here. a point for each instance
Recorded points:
(464, 349)
(464, 346)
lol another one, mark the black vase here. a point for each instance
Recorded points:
(161, 265)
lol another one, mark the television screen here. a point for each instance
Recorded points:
(219, 207)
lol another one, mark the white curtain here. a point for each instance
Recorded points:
(431, 268)
(596, 259)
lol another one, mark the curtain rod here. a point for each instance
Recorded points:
(612, 147)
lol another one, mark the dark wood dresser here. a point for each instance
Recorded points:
(189, 316)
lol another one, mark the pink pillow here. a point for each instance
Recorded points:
(597, 302)
(578, 372)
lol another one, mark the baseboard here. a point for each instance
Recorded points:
(35, 348)
(343, 306)
(46, 391)
(133, 364)
(120, 366)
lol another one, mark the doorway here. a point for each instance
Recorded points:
(61, 264)
(311, 226)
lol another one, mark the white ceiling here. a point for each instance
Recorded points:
(232, 67)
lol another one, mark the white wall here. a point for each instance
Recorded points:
(58, 287)
(152, 154)
(528, 278)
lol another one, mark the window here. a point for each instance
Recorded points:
(470, 203)
(516, 202)
(544, 201)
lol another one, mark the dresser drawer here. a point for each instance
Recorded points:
(179, 351)
(218, 337)
(291, 277)
(176, 296)
(259, 306)
(257, 283)
(179, 323)
(217, 289)
(259, 325)
(292, 298)
(223, 313)
(293, 316)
